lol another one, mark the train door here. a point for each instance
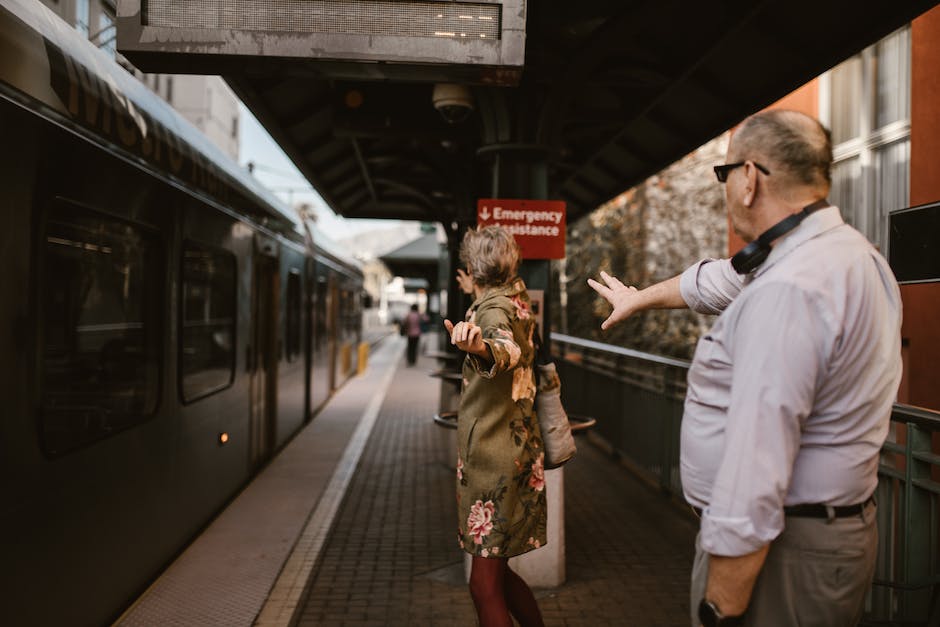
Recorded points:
(264, 338)
(309, 323)
(332, 308)
(320, 383)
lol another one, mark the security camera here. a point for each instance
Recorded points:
(454, 102)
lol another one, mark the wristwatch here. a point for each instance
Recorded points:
(710, 616)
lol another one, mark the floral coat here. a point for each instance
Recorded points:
(500, 463)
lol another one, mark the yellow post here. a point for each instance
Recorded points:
(363, 357)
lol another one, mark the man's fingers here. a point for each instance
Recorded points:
(612, 281)
(600, 289)
(612, 319)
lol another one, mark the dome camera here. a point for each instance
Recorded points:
(454, 102)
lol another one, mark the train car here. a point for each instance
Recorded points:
(167, 325)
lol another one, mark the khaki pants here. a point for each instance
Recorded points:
(817, 574)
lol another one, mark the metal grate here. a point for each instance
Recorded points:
(399, 18)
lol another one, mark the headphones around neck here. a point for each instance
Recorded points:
(754, 254)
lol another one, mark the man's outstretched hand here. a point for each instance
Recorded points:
(623, 298)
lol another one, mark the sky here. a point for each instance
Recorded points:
(275, 171)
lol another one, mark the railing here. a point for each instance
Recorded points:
(638, 400)
(907, 577)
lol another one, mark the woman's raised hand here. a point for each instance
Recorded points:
(464, 281)
(467, 336)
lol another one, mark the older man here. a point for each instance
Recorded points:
(789, 394)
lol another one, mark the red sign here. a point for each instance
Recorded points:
(537, 225)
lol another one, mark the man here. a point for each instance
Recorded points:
(789, 394)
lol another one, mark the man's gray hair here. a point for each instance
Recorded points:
(491, 254)
(791, 144)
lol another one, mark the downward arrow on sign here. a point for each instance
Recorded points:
(485, 214)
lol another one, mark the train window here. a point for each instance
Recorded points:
(293, 315)
(207, 309)
(101, 327)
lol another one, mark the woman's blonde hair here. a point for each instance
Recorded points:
(491, 255)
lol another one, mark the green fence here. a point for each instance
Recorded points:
(907, 580)
(637, 399)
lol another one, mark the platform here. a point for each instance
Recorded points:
(354, 523)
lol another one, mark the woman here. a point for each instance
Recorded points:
(411, 326)
(500, 462)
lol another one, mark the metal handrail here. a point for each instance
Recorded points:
(619, 350)
(920, 416)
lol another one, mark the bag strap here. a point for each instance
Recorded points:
(543, 354)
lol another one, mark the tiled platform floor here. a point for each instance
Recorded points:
(392, 557)
(383, 473)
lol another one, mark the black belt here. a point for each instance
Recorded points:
(818, 510)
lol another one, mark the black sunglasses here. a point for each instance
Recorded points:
(721, 171)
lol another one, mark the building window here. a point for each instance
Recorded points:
(100, 329)
(867, 100)
(107, 34)
(207, 351)
(82, 17)
(293, 315)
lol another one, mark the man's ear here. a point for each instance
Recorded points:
(750, 186)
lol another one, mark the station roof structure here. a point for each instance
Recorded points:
(611, 91)
(417, 258)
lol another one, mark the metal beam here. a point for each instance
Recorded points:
(363, 168)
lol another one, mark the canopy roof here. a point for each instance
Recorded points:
(417, 258)
(611, 91)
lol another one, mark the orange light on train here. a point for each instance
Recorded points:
(223, 438)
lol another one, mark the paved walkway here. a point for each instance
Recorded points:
(392, 558)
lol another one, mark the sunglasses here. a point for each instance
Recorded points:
(721, 171)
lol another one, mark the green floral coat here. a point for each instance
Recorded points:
(500, 463)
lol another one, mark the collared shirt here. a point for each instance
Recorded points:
(790, 393)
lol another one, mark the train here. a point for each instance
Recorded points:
(167, 326)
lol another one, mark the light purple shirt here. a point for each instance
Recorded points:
(790, 392)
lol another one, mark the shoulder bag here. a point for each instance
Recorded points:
(557, 439)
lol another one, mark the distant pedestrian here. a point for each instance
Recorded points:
(411, 326)
(500, 462)
(789, 395)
